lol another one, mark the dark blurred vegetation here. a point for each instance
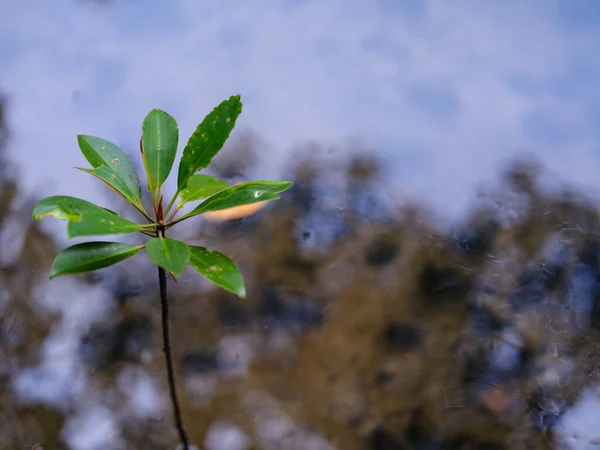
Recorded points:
(24, 250)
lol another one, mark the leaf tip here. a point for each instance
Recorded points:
(174, 276)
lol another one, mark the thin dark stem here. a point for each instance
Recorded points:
(162, 279)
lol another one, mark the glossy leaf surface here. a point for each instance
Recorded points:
(170, 254)
(217, 268)
(85, 218)
(202, 186)
(90, 256)
(151, 183)
(241, 194)
(160, 136)
(100, 152)
(111, 178)
(208, 138)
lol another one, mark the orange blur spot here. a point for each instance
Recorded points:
(237, 212)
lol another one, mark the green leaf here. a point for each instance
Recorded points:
(218, 268)
(241, 194)
(151, 183)
(208, 138)
(90, 256)
(85, 218)
(111, 178)
(170, 254)
(100, 152)
(160, 136)
(201, 186)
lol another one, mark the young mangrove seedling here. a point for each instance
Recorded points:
(158, 146)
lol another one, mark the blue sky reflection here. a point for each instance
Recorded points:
(466, 83)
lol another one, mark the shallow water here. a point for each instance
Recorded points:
(391, 334)
(411, 291)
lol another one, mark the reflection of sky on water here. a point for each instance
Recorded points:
(446, 91)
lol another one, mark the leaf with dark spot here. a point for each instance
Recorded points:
(169, 254)
(208, 138)
(119, 172)
(90, 256)
(85, 218)
(217, 268)
(201, 186)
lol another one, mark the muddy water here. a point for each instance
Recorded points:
(364, 328)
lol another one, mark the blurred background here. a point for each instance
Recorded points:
(431, 281)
